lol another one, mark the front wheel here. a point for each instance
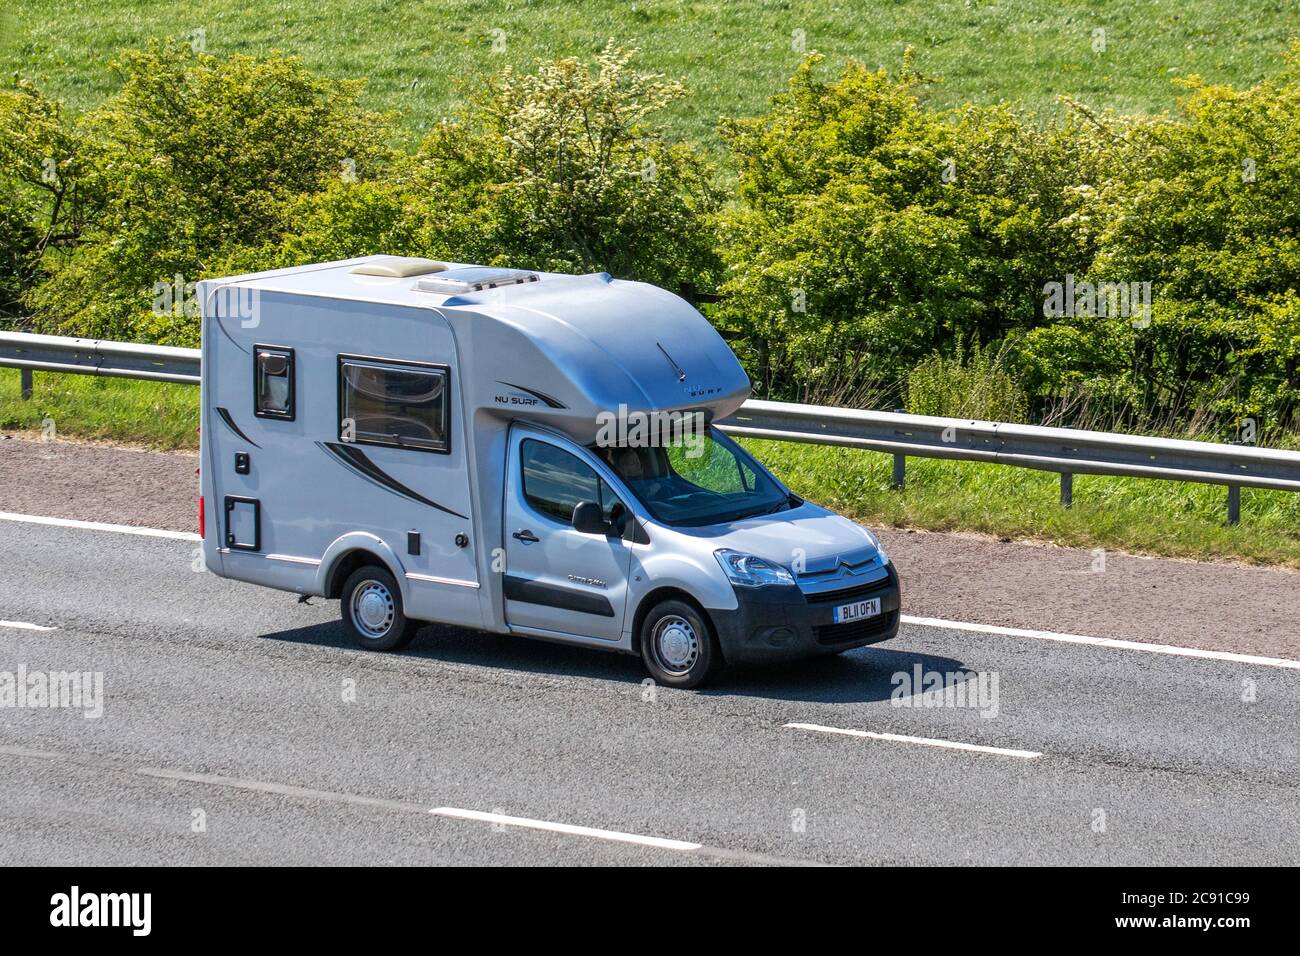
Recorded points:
(678, 646)
(372, 610)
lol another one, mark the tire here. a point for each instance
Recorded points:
(678, 647)
(372, 610)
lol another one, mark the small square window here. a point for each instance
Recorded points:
(273, 384)
(391, 402)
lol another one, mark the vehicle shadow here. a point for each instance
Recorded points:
(458, 645)
(859, 676)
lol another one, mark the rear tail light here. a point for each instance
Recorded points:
(202, 522)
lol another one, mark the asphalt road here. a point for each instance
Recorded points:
(240, 708)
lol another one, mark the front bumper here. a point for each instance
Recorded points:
(783, 623)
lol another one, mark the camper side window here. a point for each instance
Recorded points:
(403, 404)
(273, 382)
(555, 482)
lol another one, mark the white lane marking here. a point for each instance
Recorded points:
(24, 626)
(1105, 642)
(100, 526)
(927, 741)
(529, 824)
(905, 618)
(109, 765)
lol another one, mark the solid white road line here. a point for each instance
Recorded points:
(1105, 642)
(100, 526)
(906, 618)
(24, 626)
(927, 741)
(529, 824)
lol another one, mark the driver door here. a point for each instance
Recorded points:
(558, 579)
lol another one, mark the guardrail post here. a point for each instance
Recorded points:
(900, 470)
(1067, 489)
(26, 383)
(1234, 504)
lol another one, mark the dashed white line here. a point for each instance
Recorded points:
(115, 766)
(99, 526)
(925, 741)
(24, 626)
(1104, 642)
(567, 828)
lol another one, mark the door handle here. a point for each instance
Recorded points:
(526, 536)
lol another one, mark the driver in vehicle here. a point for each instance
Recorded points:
(636, 466)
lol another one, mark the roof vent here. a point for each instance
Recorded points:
(474, 279)
(398, 267)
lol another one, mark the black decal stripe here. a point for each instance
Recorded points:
(222, 326)
(230, 423)
(357, 460)
(552, 402)
(550, 595)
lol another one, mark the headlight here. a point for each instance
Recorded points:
(747, 571)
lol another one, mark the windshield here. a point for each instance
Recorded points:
(711, 481)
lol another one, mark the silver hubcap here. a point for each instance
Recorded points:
(676, 644)
(373, 609)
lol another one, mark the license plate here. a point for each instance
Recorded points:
(857, 611)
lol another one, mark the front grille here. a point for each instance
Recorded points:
(856, 592)
(856, 630)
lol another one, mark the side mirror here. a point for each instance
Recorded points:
(589, 519)
(618, 518)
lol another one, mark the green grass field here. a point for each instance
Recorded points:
(1151, 517)
(732, 54)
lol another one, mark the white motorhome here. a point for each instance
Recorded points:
(432, 441)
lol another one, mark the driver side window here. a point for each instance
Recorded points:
(555, 481)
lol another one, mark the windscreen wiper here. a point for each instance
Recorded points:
(765, 510)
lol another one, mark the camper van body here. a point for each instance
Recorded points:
(389, 413)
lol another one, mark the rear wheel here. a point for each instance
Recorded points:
(372, 610)
(678, 646)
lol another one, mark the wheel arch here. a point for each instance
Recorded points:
(668, 593)
(353, 551)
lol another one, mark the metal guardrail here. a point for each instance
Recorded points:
(1067, 451)
(52, 353)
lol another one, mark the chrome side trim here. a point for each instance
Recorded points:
(288, 558)
(434, 579)
(294, 559)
